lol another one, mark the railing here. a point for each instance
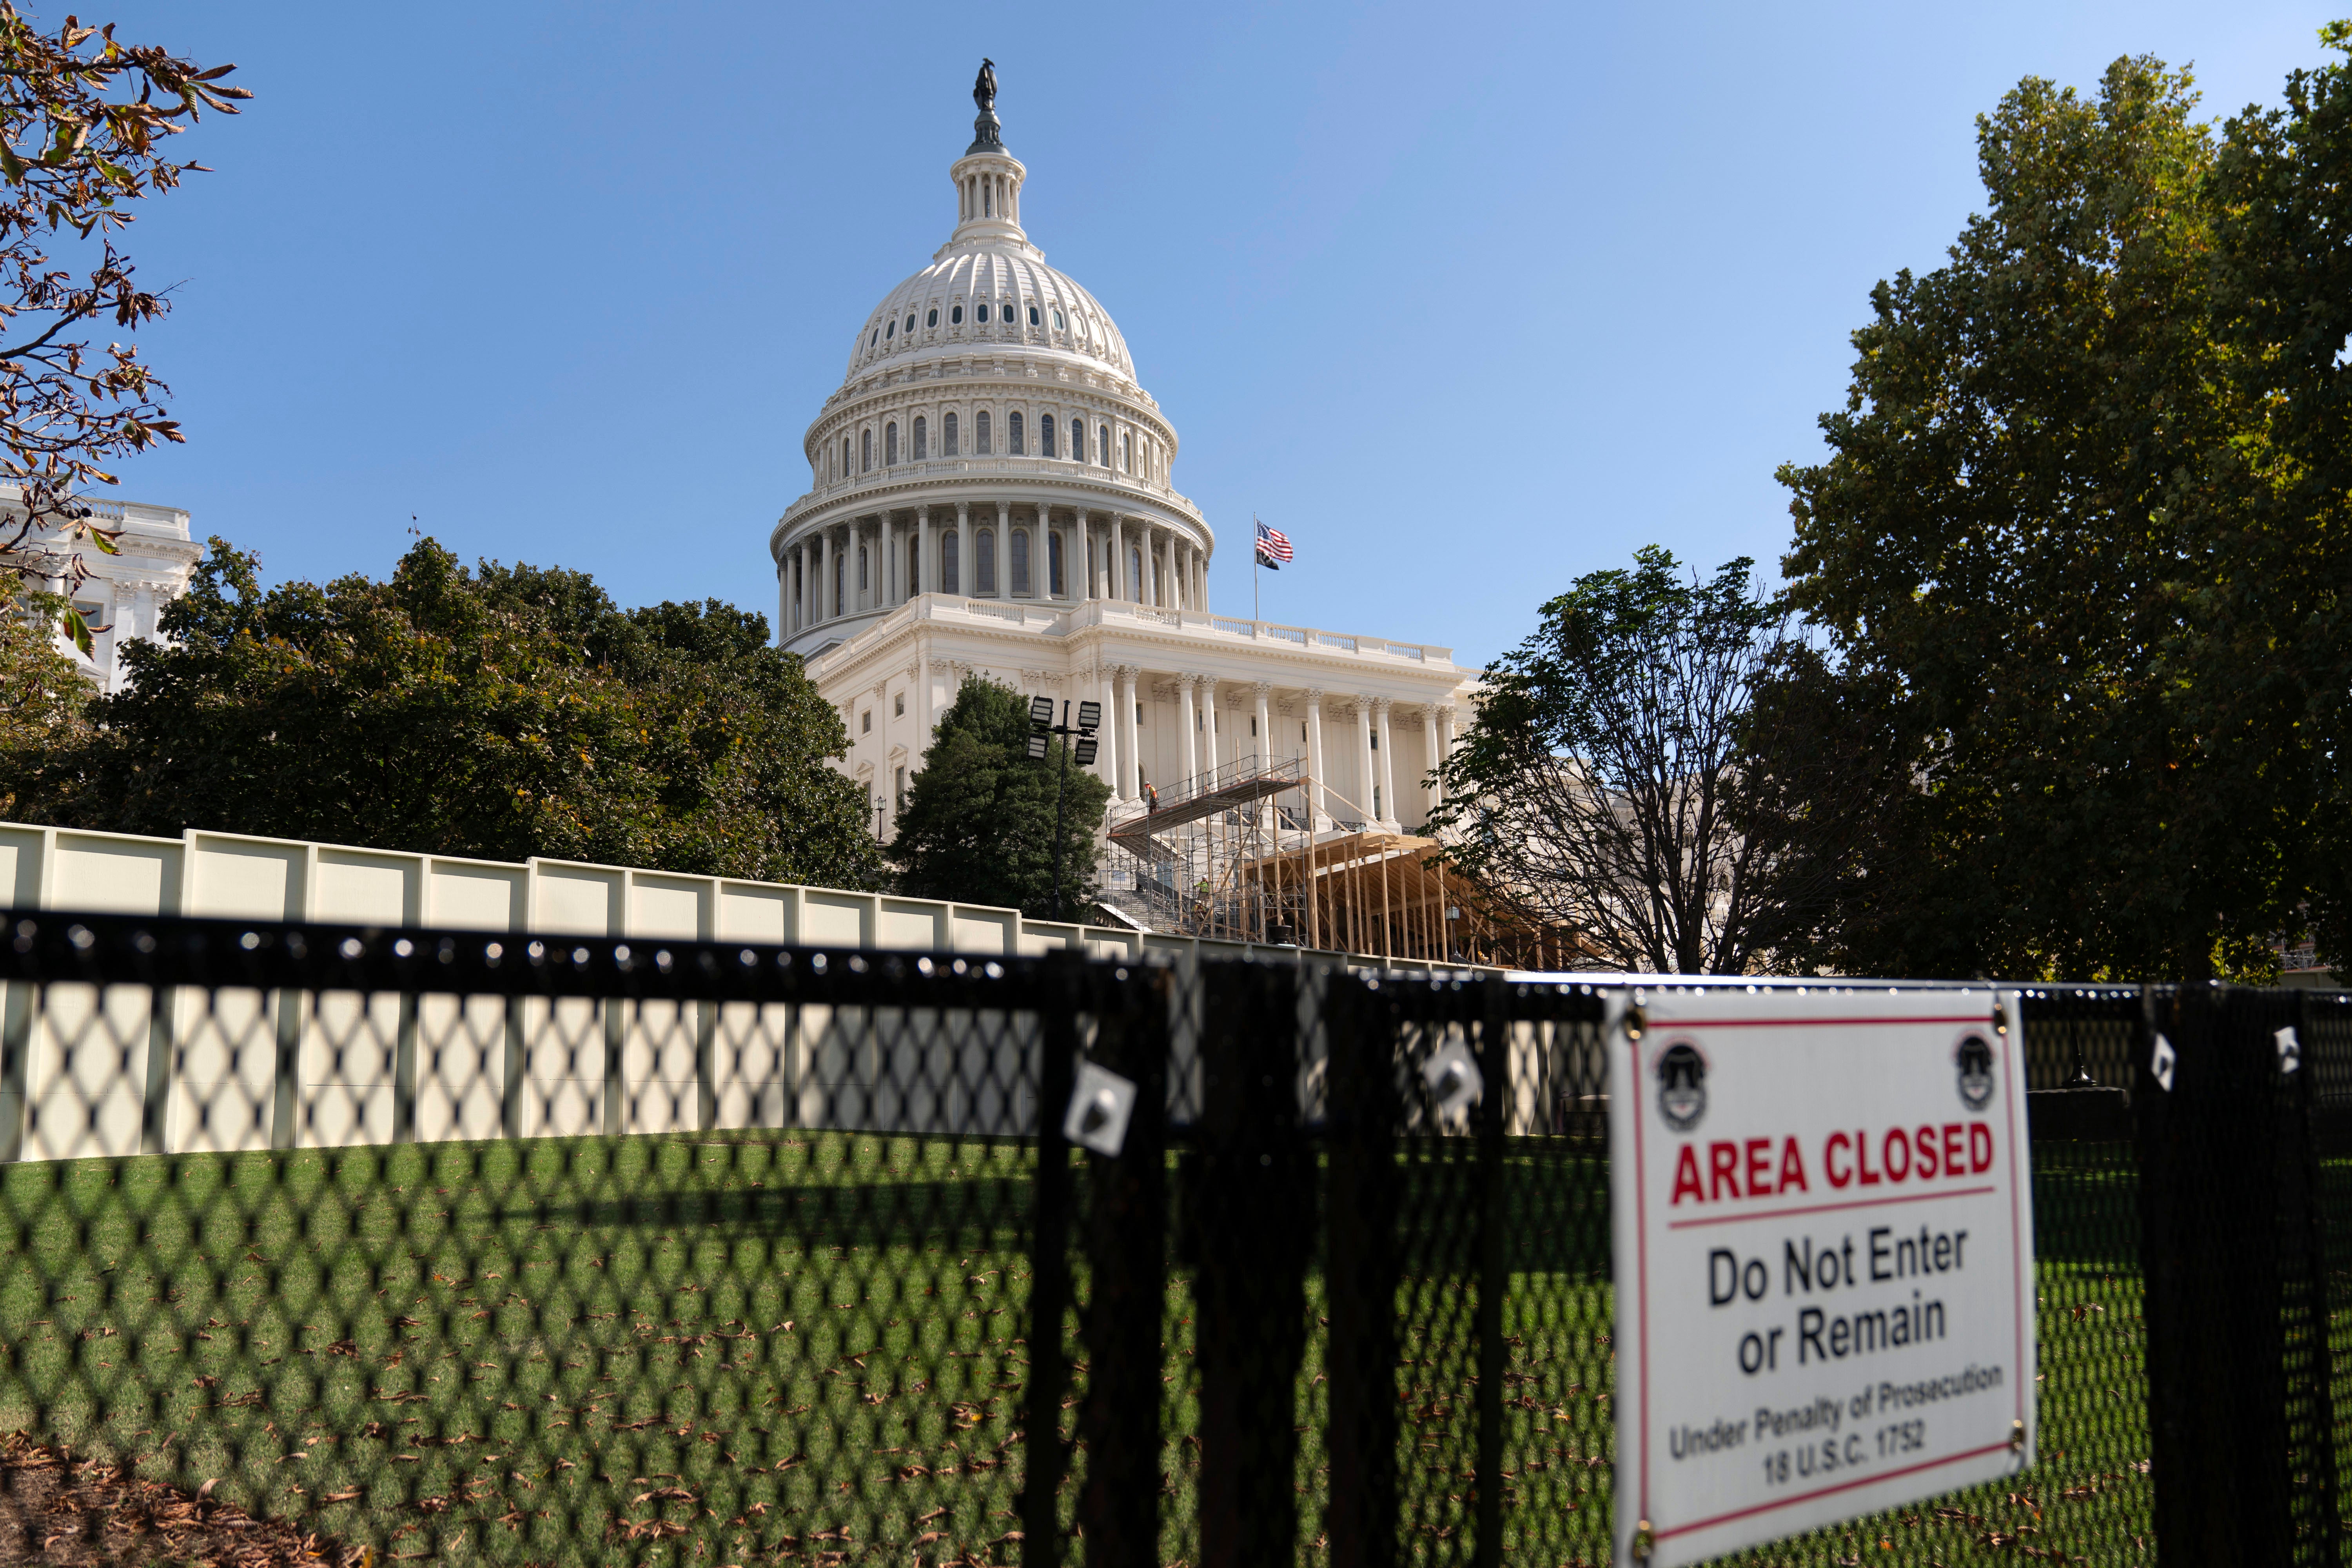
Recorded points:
(985, 468)
(1241, 770)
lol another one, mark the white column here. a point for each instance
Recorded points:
(1201, 565)
(824, 575)
(893, 556)
(963, 549)
(1107, 758)
(1079, 561)
(926, 675)
(1317, 810)
(1150, 567)
(1130, 754)
(1388, 812)
(1263, 749)
(1004, 550)
(1117, 556)
(1186, 716)
(1366, 777)
(1429, 749)
(1208, 748)
(927, 560)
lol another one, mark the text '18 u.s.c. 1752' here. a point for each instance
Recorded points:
(1823, 1255)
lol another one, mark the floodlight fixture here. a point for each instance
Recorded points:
(1041, 710)
(1085, 754)
(1038, 744)
(1089, 715)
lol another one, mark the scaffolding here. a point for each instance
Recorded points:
(1243, 854)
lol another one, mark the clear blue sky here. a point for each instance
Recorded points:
(1468, 298)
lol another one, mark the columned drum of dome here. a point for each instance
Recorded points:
(990, 491)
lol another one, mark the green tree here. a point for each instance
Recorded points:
(2039, 470)
(977, 826)
(1611, 782)
(503, 713)
(42, 694)
(2269, 647)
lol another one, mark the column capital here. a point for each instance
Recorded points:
(963, 510)
(1445, 710)
(1374, 703)
(1314, 694)
(1265, 689)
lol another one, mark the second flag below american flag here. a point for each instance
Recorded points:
(1273, 546)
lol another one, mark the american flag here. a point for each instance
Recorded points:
(1273, 546)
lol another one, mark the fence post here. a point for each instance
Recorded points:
(1361, 1272)
(2224, 1193)
(1048, 1456)
(1127, 1252)
(1251, 1215)
(1495, 1064)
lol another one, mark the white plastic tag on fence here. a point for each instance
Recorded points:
(2162, 1064)
(1454, 1079)
(2289, 1050)
(1099, 1108)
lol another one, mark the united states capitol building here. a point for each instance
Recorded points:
(992, 491)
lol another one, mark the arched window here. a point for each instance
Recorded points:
(1045, 436)
(933, 319)
(1102, 445)
(1054, 564)
(1012, 433)
(987, 205)
(1135, 573)
(955, 317)
(861, 568)
(1019, 554)
(1033, 315)
(840, 573)
(844, 457)
(951, 579)
(866, 450)
(980, 433)
(922, 438)
(1078, 441)
(890, 442)
(982, 310)
(910, 320)
(875, 338)
(913, 566)
(891, 327)
(1060, 324)
(983, 550)
(948, 429)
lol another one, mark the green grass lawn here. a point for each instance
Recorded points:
(723, 1348)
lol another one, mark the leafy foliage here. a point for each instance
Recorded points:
(978, 822)
(2039, 481)
(1609, 783)
(42, 694)
(503, 713)
(83, 124)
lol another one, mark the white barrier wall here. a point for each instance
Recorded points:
(234, 1070)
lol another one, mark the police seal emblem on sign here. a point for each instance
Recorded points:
(1682, 1086)
(1975, 1059)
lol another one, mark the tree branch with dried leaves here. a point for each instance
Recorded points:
(84, 122)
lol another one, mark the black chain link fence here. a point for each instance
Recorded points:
(455, 1246)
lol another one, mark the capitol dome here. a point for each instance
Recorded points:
(982, 296)
(989, 441)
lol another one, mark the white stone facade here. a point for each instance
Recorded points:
(990, 492)
(123, 595)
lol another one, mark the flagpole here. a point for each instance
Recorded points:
(1253, 564)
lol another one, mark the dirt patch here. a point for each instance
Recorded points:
(58, 1510)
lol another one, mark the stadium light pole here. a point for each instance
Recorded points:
(1042, 727)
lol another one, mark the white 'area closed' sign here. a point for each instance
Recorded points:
(1824, 1257)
